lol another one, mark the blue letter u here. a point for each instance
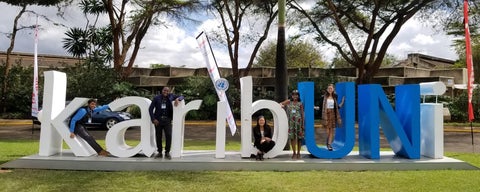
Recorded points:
(345, 135)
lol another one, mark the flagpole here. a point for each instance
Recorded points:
(471, 130)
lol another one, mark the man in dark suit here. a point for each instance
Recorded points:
(161, 114)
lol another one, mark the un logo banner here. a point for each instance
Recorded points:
(221, 84)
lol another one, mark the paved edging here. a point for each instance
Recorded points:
(4, 122)
(12, 122)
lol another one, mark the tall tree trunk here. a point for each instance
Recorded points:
(281, 77)
(8, 63)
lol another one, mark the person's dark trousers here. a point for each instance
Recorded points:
(266, 146)
(81, 131)
(164, 126)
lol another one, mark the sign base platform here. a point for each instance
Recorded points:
(198, 160)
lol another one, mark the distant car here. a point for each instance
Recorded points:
(108, 118)
(104, 119)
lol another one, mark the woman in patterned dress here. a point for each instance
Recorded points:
(330, 113)
(295, 114)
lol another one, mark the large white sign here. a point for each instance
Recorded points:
(55, 114)
(401, 128)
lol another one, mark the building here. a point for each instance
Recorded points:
(416, 68)
(45, 61)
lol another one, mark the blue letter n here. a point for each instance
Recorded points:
(402, 129)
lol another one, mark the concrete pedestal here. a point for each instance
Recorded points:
(431, 130)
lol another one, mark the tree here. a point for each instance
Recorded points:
(339, 62)
(281, 72)
(233, 15)
(95, 82)
(453, 25)
(298, 54)
(92, 43)
(128, 29)
(23, 4)
(76, 42)
(362, 30)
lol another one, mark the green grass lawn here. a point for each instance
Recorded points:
(58, 180)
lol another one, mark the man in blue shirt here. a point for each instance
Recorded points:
(161, 113)
(82, 116)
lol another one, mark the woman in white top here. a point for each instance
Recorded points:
(330, 113)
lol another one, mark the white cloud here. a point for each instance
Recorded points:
(423, 39)
(419, 37)
(170, 46)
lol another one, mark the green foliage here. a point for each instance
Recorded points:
(462, 62)
(93, 43)
(33, 2)
(64, 180)
(19, 97)
(135, 111)
(453, 24)
(321, 84)
(95, 82)
(99, 82)
(298, 53)
(356, 28)
(202, 88)
(157, 66)
(340, 62)
(91, 83)
(458, 106)
(76, 42)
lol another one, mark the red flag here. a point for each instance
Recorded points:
(469, 61)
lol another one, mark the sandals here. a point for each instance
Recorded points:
(296, 156)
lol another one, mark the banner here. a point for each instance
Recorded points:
(35, 74)
(469, 61)
(214, 74)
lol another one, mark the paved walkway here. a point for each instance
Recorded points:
(456, 139)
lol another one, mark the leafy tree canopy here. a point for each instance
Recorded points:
(453, 24)
(130, 21)
(360, 30)
(243, 22)
(299, 54)
(33, 2)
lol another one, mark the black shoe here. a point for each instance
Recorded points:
(167, 156)
(158, 156)
(329, 147)
(261, 157)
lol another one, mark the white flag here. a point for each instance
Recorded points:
(214, 76)
(35, 75)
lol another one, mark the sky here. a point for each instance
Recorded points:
(175, 44)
